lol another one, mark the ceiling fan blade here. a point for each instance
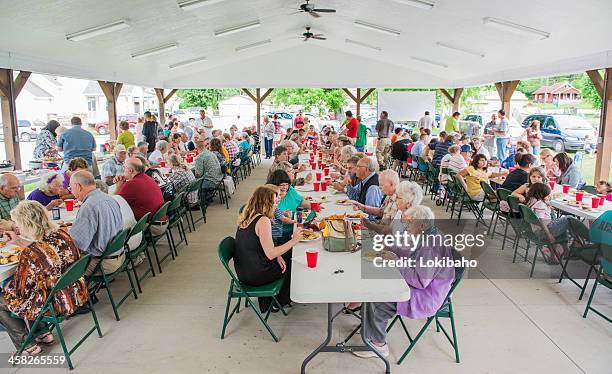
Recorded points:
(319, 38)
(319, 35)
(314, 14)
(306, 39)
(324, 10)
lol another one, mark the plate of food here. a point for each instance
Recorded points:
(357, 215)
(63, 224)
(344, 202)
(305, 188)
(309, 235)
(385, 255)
(9, 256)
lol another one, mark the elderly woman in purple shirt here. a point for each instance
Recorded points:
(48, 192)
(429, 285)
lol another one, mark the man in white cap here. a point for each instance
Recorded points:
(114, 166)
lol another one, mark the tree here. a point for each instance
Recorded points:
(587, 90)
(205, 98)
(321, 99)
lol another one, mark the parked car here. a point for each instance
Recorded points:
(102, 127)
(517, 132)
(27, 130)
(370, 124)
(564, 132)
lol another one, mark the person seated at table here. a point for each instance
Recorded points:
(49, 189)
(47, 253)
(290, 200)
(440, 147)
(292, 151)
(143, 148)
(154, 173)
(452, 162)
(520, 176)
(141, 193)
(9, 198)
(536, 175)
(569, 172)
(286, 166)
(207, 165)
(216, 148)
(604, 187)
(280, 218)
(97, 222)
(367, 190)
(400, 150)
(76, 164)
(114, 165)
(182, 177)
(346, 152)
(256, 259)
(129, 221)
(465, 151)
(538, 199)
(350, 177)
(480, 148)
(160, 153)
(178, 145)
(244, 143)
(428, 285)
(474, 174)
(546, 160)
(388, 182)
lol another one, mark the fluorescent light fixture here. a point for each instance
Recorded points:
(253, 45)
(461, 49)
(381, 29)
(193, 4)
(515, 27)
(430, 62)
(183, 64)
(97, 31)
(423, 4)
(362, 44)
(238, 28)
(155, 51)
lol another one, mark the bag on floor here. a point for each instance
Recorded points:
(230, 187)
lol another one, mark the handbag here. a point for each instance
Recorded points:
(339, 236)
(230, 187)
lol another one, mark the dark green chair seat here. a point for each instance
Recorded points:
(100, 278)
(176, 211)
(133, 253)
(153, 239)
(47, 313)
(239, 290)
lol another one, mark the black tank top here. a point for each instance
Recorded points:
(250, 261)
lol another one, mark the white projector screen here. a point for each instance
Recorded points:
(407, 105)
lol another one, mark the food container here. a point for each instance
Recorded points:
(35, 164)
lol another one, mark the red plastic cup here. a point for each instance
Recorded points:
(317, 185)
(312, 155)
(369, 154)
(316, 206)
(595, 202)
(323, 186)
(552, 179)
(552, 185)
(579, 195)
(312, 255)
(318, 175)
(313, 165)
(328, 180)
(602, 198)
(566, 188)
(162, 163)
(189, 159)
(320, 163)
(326, 171)
(69, 204)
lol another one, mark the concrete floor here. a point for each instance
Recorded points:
(504, 325)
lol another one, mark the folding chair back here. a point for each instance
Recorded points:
(503, 193)
(161, 212)
(605, 269)
(226, 254)
(489, 191)
(140, 225)
(73, 274)
(530, 218)
(579, 230)
(590, 189)
(117, 244)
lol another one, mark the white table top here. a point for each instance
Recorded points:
(7, 270)
(321, 285)
(590, 215)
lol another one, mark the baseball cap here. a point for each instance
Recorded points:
(466, 148)
(120, 148)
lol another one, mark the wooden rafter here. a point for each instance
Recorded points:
(350, 94)
(21, 80)
(368, 93)
(249, 94)
(266, 94)
(597, 80)
(448, 95)
(111, 91)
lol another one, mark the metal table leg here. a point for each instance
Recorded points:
(341, 347)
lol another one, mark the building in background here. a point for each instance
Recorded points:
(562, 92)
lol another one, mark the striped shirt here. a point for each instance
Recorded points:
(277, 225)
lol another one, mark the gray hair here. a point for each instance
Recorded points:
(4, 179)
(423, 214)
(137, 166)
(84, 178)
(142, 144)
(391, 176)
(102, 186)
(177, 161)
(372, 164)
(48, 178)
(161, 145)
(348, 151)
(410, 192)
(284, 165)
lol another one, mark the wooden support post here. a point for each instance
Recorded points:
(162, 100)
(455, 98)
(9, 90)
(359, 98)
(258, 98)
(505, 91)
(604, 137)
(111, 91)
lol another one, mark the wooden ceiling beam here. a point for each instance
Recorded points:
(249, 94)
(597, 80)
(350, 94)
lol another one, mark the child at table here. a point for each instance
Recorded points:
(604, 188)
(538, 199)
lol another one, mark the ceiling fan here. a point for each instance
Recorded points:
(310, 9)
(308, 35)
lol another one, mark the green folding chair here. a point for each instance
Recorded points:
(537, 236)
(153, 239)
(196, 185)
(238, 290)
(502, 195)
(605, 267)
(445, 311)
(99, 276)
(580, 249)
(491, 203)
(590, 189)
(176, 211)
(47, 314)
(133, 253)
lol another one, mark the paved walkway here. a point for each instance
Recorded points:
(504, 326)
